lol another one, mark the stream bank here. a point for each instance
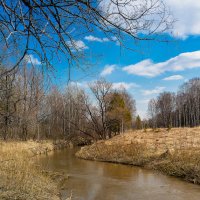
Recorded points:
(175, 152)
(21, 178)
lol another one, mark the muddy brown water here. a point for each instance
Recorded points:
(91, 180)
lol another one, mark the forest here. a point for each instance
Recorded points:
(181, 109)
(31, 107)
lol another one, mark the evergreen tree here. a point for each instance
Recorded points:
(138, 123)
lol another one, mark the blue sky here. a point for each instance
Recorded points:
(152, 67)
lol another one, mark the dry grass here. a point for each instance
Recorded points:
(183, 164)
(175, 152)
(134, 153)
(19, 177)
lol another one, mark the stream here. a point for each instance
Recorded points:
(92, 180)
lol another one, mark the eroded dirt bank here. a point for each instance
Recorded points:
(175, 152)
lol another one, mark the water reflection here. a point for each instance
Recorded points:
(90, 180)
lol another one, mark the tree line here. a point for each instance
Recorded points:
(181, 109)
(30, 108)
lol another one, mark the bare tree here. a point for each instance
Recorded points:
(8, 102)
(48, 28)
(100, 90)
(30, 91)
(180, 110)
(152, 112)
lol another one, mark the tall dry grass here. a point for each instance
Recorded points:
(175, 152)
(182, 164)
(20, 178)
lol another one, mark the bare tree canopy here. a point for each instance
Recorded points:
(53, 27)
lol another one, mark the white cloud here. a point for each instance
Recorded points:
(187, 16)
(92, 38)
(136, 16)
(142, 106)
(77, 45)
(127, 86)
(96, 39)
(78, 84)
(80, 44)
(142, 113)
(144, 101)
(108, 69)
(115, 85)
(173, 78)
(143, 68)
(148, 68)
(32, 60)
(154, 91)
